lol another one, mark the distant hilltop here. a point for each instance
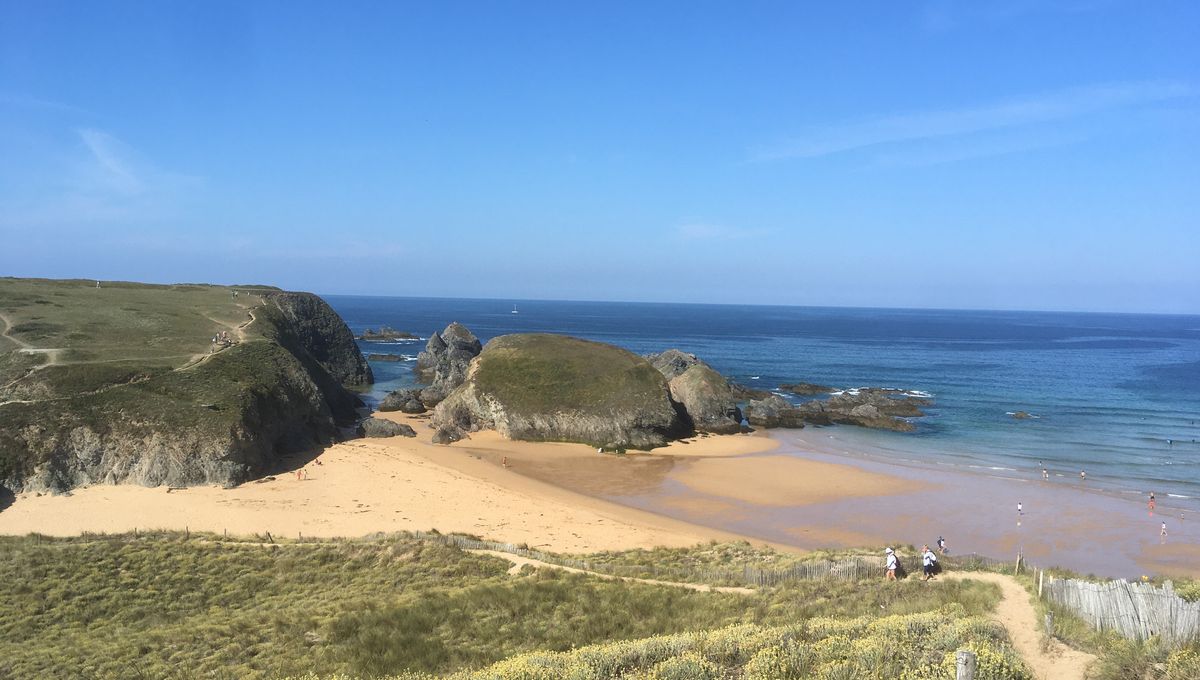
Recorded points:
(115, 382)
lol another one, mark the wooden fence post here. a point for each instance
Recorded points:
(965, 664)
(1041, 575)
(1049, 624)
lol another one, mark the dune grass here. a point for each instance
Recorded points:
(168, 606)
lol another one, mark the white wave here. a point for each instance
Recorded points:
(1177, 495)
(919, 393)
(754, 377)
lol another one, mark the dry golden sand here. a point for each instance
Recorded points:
(382, 485)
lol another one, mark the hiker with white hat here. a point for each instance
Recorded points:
(891, 564)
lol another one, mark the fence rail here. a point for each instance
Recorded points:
(1134, 610)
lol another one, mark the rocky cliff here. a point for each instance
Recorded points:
(709, 402)
(443, 364)
(121, 401)
(557, 388)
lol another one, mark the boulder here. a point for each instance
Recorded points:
(774, 411)
(542, 387)
(707, 400)
(443, 364)
(406, 401)
(378, 427)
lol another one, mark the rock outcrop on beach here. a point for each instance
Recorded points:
(405, 401)
(542, 387)
(114, 403)
(378, 427)
(443, 364)
(708, 401)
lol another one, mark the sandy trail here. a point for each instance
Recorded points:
(8, 326)
(1018, 616)
(1014, 611)
(519, 561)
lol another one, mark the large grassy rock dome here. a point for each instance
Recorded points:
(543, 387)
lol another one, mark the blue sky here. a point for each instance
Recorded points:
(1019, 155)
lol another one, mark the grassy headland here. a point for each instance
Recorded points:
(124, 382)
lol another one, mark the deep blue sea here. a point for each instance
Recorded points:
(1109, 391)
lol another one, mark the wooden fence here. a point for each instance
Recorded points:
(1134, 610)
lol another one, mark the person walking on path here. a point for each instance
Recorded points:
(941, 545)
(890, 564)
(928, 562)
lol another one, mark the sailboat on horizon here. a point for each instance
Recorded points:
(514, 311)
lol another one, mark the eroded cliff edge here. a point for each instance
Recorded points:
(166, 385)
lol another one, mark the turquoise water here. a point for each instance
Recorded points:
(1108, 390)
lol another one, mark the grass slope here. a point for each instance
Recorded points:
(167, 606)
(542, 373)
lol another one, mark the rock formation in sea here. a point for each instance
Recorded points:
(806, 388)
(543, 387)
(386, 334)
(443, 364)
(221, 418)
(873, 407)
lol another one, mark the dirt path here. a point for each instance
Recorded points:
(1018, 616)
(8, 326)
(519, 562)
(1014, 611)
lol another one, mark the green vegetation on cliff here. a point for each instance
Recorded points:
(125, 383)
(536, 373)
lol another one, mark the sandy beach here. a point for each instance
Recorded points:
(385, 485)
(795, 490)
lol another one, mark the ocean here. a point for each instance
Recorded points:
(1117, 395)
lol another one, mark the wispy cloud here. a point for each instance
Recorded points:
(94, 178)
(924, 125)
(113, 160)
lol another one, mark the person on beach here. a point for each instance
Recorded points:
(1162, 533)
(928, 562)
(890, 564)
(1020, 509)
(1082, 476)
(1151, 501)
(1045, 474)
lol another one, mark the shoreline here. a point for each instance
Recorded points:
(792, 490)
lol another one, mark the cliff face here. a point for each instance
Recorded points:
(558, 388)
(323, 335)
(223, 417)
